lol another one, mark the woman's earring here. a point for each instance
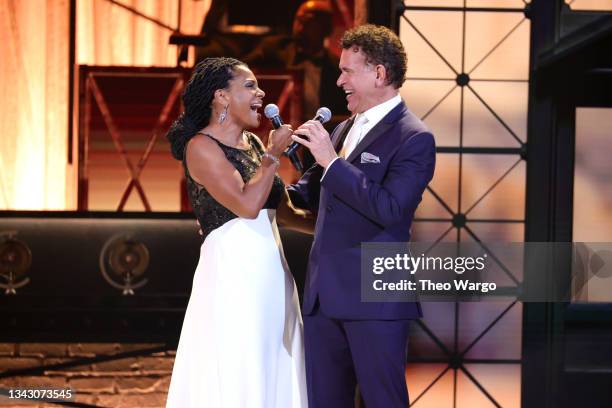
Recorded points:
(223, 115)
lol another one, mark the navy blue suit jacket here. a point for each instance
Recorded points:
(364, 202)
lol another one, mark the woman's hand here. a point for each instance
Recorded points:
(278, 140)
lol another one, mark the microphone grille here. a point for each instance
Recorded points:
(325, 114)
(271, 110)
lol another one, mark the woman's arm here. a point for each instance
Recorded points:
(208, 166)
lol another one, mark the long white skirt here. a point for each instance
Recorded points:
(241, 344)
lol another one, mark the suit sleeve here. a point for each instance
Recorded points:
(410, 170)
(305, 193)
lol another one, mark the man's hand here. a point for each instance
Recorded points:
(317, 141)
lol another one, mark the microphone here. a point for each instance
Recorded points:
(323, 115)
(272, 112)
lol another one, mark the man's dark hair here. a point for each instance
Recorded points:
(380, 46)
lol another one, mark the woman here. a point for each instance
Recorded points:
(241, 342)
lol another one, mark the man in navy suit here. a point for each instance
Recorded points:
(367, 183)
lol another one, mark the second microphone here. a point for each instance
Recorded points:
(272, 112)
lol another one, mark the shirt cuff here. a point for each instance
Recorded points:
(328, 166)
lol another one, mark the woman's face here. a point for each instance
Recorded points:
(245, 98)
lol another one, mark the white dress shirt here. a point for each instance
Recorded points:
(364, 122)
(354, 136)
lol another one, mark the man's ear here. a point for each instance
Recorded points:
(381, 75)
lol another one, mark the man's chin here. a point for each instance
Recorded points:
(350, 107)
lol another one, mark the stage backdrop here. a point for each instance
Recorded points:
(35, 173)
(34, 110)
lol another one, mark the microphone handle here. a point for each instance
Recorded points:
(290, 152)
(292, 148)
(295, 161)
(276, 121)
(295, 145)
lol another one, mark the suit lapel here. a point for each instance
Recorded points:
(377, 131)
(341, 135)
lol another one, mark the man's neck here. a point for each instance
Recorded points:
(382, 98)
(389, 93)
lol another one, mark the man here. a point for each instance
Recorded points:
(368, 192)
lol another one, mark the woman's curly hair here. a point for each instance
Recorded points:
(208, 76)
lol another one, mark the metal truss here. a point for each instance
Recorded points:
(135, 170)
(289, 83)
(459, 219)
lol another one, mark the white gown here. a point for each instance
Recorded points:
(241, 344)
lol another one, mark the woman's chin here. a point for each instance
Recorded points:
(251, 121)
(255, 122)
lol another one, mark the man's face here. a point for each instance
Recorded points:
(358, 80)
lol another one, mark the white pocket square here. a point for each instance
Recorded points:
(369, 158)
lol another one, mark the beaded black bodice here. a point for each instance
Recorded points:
(209, 212)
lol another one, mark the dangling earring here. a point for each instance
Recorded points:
(223, 115)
